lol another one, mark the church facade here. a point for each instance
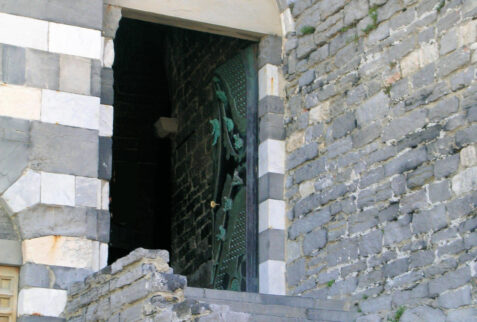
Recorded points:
(315, 152)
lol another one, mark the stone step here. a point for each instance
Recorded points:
(265, 307)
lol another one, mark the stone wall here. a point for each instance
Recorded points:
(138, 287)
(381, 155)
(192, 58)
(54, 155)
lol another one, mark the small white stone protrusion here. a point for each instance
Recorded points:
(288, 24)
(465, 181)
(104, 195)
(24, 193)
(468, 156)
(166, 126)
(108, 52)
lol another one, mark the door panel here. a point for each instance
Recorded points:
(8, 293)
(234, 145)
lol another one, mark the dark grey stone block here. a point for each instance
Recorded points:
(371, 243)
(271, 127)
(310, 170)
(270, 186)
(34, 275)
(271, 104)
(270, 51)
(83, 13)
(64, 149)
(296, 272)
(13, 65)
(396, 267)
(447, 166)
(42, 220)
(14, 147)
(341, 252)
(7, 230)
(309, 222)
(104, 222)
(105, 159)
(271, 245)
(301, 155)
(449, 280)
(314, 240)
(107, 91)
(42, 69)
(407, 161)
(466, 136)
(95, 86)
(65, 276)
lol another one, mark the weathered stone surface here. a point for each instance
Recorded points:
(34, 275)
(455, 299)
(423, 313)
(43, 220)
(314, 241)
(14, 144)
(24, 193)
(427, 220)
(382, 303)
(61, 149)
(42, 69)
(341, 251)
(450, 280)
(375, 108)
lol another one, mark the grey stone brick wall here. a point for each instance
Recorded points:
(380, 138)
(192, 58)
(138, 287)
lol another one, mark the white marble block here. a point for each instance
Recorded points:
(271, 157)
(268, 81)
(20, 102)
(57, 189)
(87, 191)
(24, 193)
(271, 215)
(77, 41)
(23, 32)
(70, 109)
(41, 301)
(62, 251)
(272, 277)
(106, 115)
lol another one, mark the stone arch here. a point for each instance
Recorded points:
(265, 22)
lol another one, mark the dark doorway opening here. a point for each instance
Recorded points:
(162, 189)
(140, 185)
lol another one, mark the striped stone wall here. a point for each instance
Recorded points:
(55, 131)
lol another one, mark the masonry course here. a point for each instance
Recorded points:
(397, 145)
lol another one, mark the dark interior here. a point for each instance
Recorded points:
(140, 185)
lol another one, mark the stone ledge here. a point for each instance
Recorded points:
(138, 285)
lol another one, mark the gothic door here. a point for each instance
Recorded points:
(234, 207)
